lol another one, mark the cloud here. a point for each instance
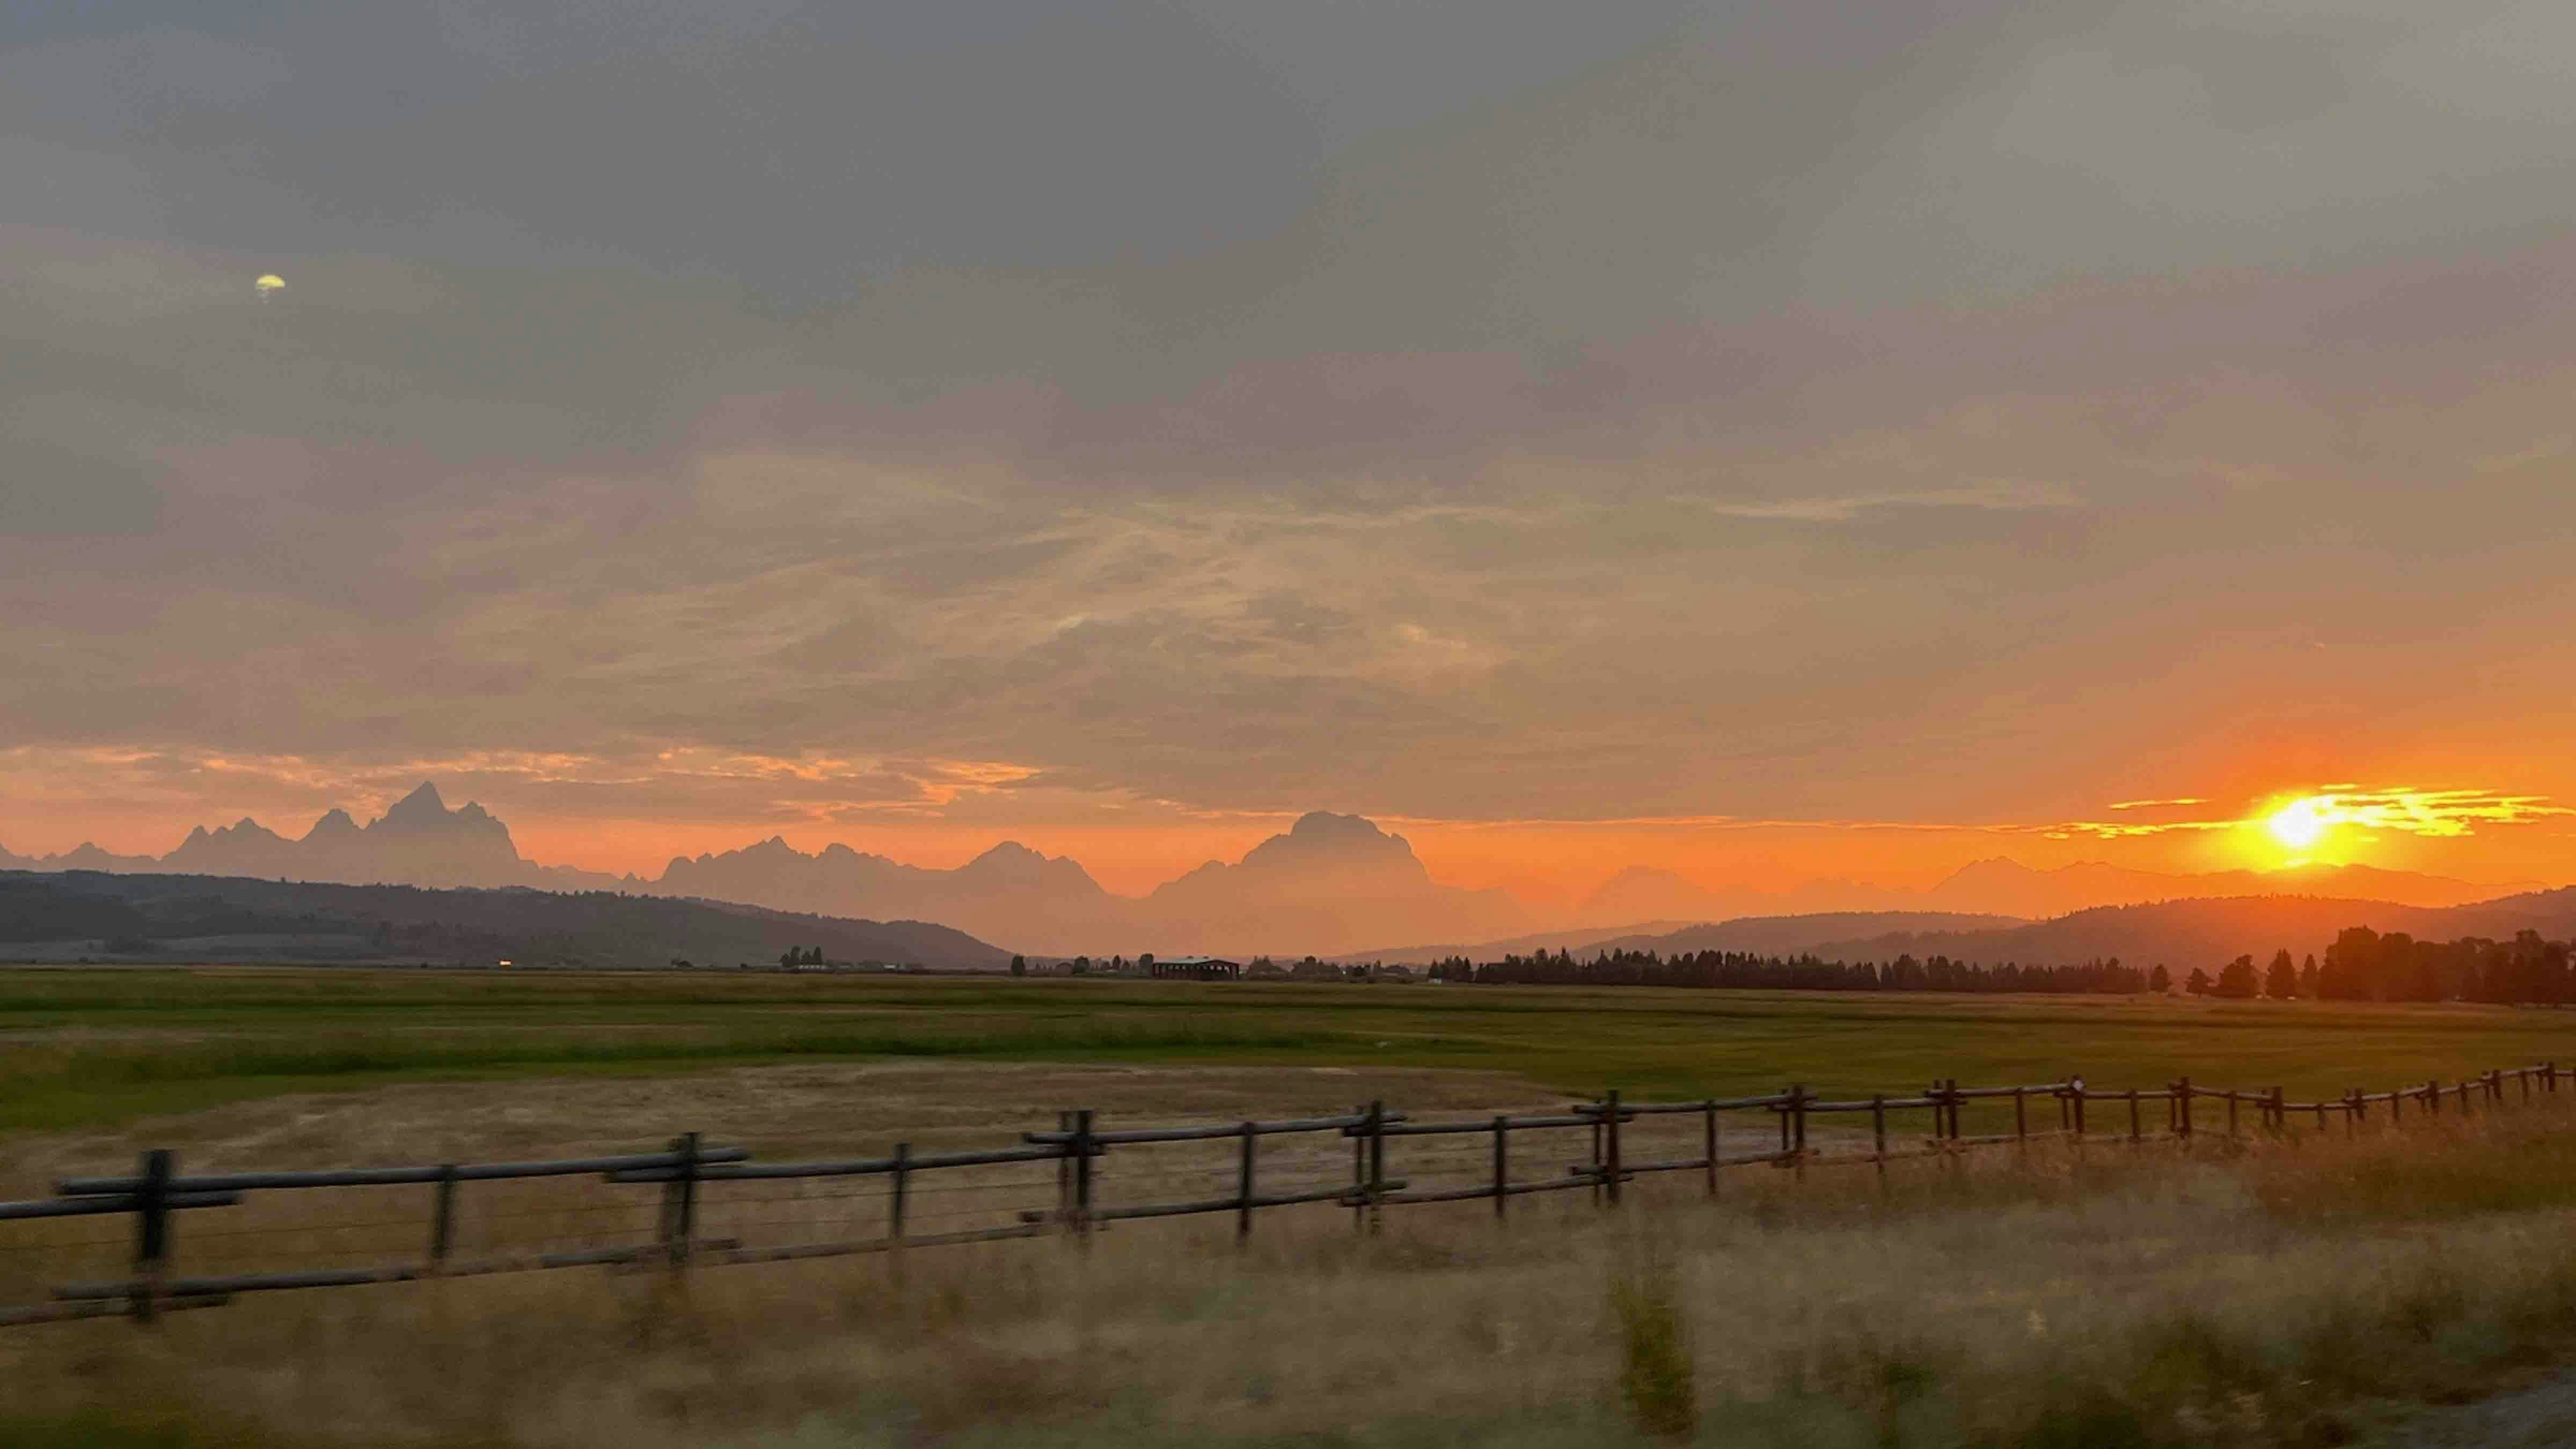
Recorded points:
(1891, 413)
(2436, 814)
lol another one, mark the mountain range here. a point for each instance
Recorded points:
(1329, 885)
(1330, 882)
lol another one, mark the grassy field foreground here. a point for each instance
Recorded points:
(2304, 1292)
(81, 1049)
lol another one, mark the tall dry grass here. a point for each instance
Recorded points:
(2293, 1293)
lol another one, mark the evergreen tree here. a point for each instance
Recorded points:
(2308, 976)
(2281, 979)
(1019, 965)
(2236, 979)
(2160, 980)
(2197, 983)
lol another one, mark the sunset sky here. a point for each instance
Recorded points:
(1771, 441)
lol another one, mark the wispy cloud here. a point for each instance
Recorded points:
(2402, 810)
(1992, 497)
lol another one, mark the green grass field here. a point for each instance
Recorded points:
(99, 1048)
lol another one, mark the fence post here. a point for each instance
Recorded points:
(2182, 1108)
(1243, 1188)
(1878, 1134)
(1798, 1113)
(2231, 1114)
(1082, 1147)
(896, 1205)
(680, 1202)
(442, 1217)
(2280, 1113)
(1064, 1172)
(1502, 1164)
(1708, 1140)
(2433, 1096)
(1376, 1165)
(2021, 1124)
(1610, 1117)
(152, 1229)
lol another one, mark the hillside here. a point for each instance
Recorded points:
(2207, 932)
(193, 917)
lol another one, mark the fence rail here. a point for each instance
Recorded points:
(691, 1177)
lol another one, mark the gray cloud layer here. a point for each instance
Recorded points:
(1447, 409)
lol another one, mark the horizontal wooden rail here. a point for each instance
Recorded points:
(399, 1176)
(81, 1207)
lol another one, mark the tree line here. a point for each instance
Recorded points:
(2361, 965)
(1801, 972)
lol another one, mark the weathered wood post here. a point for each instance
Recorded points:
(1243, 1187)
(1708, 1140)
(2231, 1114)
(1064, 1171)
(2396, 1106)
(1376, 1166)
(1798, 1113)
(2182, 1108)
(2021, 1124)
(1610, 1122)
(899, 1201)
(1878, 1135)
(2136, 1131)
(2433, 1097)
(680, 1202)
(1502, 1164)
(1083, 1148)
(442, 1217)
(2280, 1113)
(151, 1230)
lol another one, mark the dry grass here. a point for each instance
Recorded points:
(2268, 1297)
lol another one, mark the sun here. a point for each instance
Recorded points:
(2302, 823)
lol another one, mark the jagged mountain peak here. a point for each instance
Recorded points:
(1322, 839)
(334, 824)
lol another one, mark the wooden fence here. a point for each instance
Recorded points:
(690, 1184)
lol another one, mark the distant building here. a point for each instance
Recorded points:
(1196, 968)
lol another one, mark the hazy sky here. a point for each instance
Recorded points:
(1581, 432)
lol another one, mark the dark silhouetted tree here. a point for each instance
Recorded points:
(1019, 965)
(2237, 981)
(2281, 979)
(2159, 979)
(2197, 983)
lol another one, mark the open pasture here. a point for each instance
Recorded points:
(99, 1049)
